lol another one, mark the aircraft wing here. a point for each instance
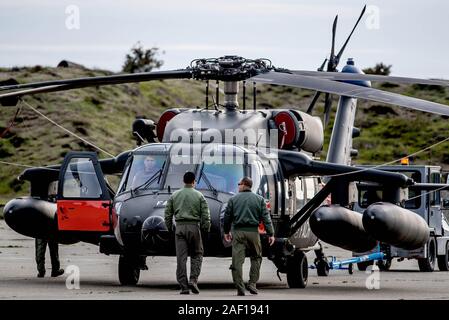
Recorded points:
(295, 163)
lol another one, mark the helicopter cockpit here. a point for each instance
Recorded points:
(154, 171)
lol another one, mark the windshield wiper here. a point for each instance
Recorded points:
(150, 181)
(207, 181)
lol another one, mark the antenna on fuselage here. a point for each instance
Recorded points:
(217, 93)
(215, 104)
(207, 94)
(254, 96)
(244, 95)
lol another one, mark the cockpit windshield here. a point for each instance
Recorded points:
(145, 171)
(221, 177)
(160, 166)
(175, 174)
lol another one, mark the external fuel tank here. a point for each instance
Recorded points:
(396, 226)
(341, 227)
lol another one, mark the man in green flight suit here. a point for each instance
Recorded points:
(191, 213)
(244, 212)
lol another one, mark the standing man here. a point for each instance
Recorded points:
(244, 212)
(41, 247)
(192, 215)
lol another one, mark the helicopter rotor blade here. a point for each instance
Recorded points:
(342, 76)
(350, 90)
(104, 80)
(11, 98)
(330, 65)
(340, 53)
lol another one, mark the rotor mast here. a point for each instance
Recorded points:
(231, 70)
(231, 90)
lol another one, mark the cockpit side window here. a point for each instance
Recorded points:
(80, 180)
(263, 184)
(260, 180)
(300, 193)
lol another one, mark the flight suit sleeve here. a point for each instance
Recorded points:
(169, 212)
(266, 218)
(227, 219)
(205, 214)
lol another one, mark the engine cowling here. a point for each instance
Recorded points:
(299, 129)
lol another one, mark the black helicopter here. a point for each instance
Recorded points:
(73, 202)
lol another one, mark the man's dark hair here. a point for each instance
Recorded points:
(247, 182)
(189, 177)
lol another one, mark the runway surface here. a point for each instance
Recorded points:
(99, 279)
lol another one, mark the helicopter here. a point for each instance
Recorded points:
(277, 148)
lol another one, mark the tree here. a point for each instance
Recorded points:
(141, 60)
(379, 68)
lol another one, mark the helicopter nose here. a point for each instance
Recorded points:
(31, 217)
(155, 233)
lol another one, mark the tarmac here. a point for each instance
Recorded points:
(98, 278)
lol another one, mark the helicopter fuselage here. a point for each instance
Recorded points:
(139, 223)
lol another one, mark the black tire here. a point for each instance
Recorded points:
(297, 270)
(128, 271)
(428, 264)
(362, 266)
(322, 268)
(384, 265)
(443, 261)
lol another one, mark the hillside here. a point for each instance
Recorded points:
(104, 116)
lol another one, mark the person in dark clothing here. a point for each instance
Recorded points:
(244, 212)
(41, 247)
(191, 212)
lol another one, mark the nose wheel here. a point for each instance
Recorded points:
(128, 270)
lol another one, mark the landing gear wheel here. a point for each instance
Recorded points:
(322, 268)
(128, 271)
(362, 266)
(384, 265)
(351, 268)
(443, 261)
(428, 264)
(297, 270)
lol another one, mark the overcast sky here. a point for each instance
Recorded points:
(410, 35)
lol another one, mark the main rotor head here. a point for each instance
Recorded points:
(229, 68)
